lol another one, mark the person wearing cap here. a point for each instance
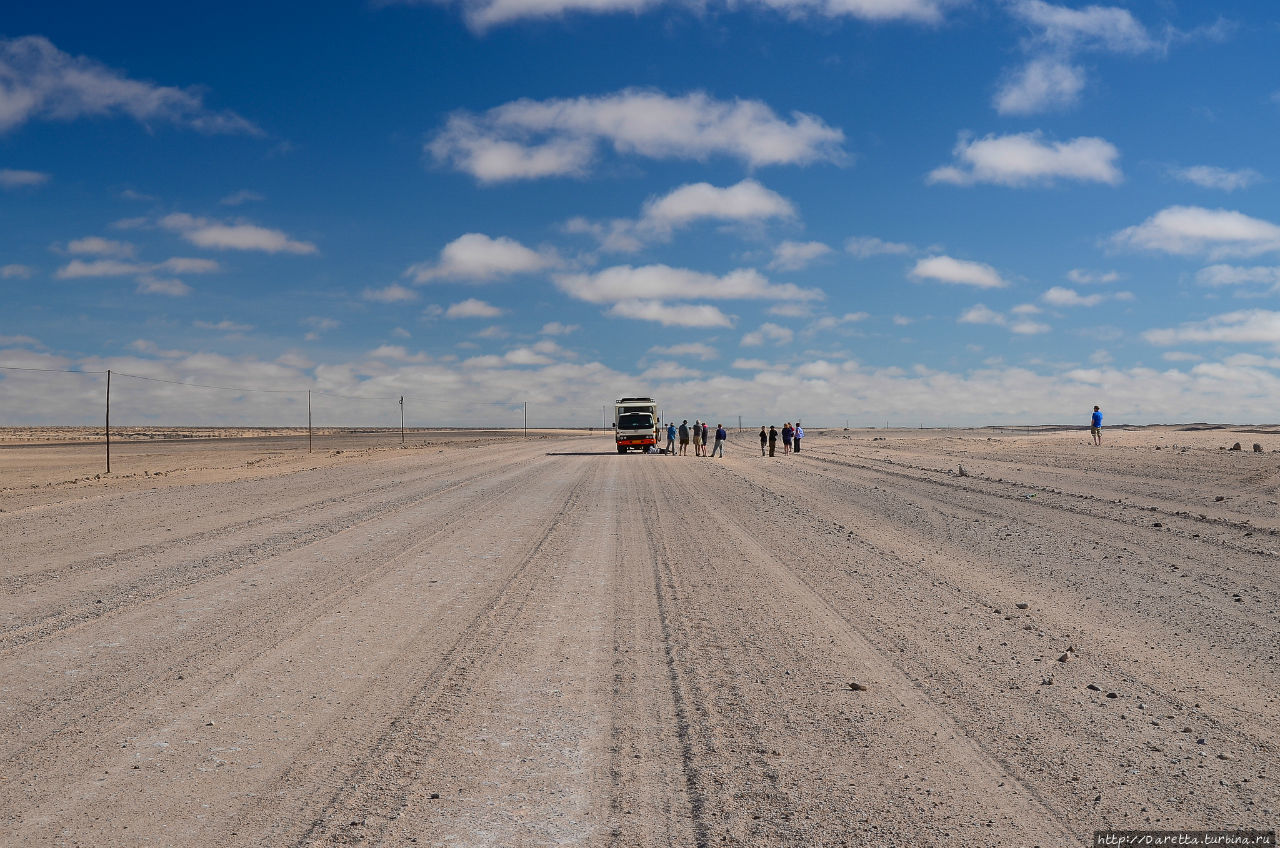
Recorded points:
(1095, 427)
(721, 435)
(797, 435)
(684, 437)
(773, 440)
(764, 439)
(671, 438)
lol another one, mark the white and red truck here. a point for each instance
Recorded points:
(636, 422)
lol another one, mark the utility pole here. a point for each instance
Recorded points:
(308, 421)
(402, 419)
(525, 404)
(107, 429)
(739, 423)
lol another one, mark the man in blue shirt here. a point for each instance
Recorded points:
(671, 438)
(721, 435)
(1095, 427)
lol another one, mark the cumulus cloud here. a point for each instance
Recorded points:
(203, 232)
(1080, 276)
(691, 350)
(10, 178)
(396, 353)
(794, 255)
(42, 82)
(768, 332)
(477, 258)
(832, 322)
(1231, 275)
(1107, 28)
(745, 201)
(1025, 159)
(681, 315)
(1189, 230)
(662, 282)
(79, 268)
(241, 197)
(555, 328)
(1062, 296)
(393, 293)
(97, 246)
(803, 309)
(982, 314)
(1040, 85)
(1208, 176)
(865, 247)
(528, 139)
(945, 269)
(472, 308)
(481, 15)
(15, 271)
(169, 286)
(1248, 326)
(224, 326)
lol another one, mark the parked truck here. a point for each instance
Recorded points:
(636, 421)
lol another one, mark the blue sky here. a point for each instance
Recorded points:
(920, 211)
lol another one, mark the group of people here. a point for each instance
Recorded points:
(700, 434)
(791, 437)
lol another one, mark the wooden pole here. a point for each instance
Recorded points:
(526, 419)
(402, 419)
(107, 429)
(308, 421)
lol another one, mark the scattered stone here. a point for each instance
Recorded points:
(1201, 741)
(1046, 681)
(1236, 446)
(857, 687)
(962, 472)
(1023, 606)
(1112, 695)
(1225, 757)
(1257, 448)
(1064, 658)
(1156, 524)
(1094, 687)
(208, 724)
(435, 796)
(1219, 498)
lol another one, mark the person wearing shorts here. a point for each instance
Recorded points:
(697, 438)
(1095, 427)
(684, 437)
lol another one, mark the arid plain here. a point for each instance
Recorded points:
(483, 639)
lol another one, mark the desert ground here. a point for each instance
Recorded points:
(482, 639)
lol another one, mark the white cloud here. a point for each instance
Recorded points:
(78, 268)
(1082, 277)
(188, 265)
(555, 328)
(945, 269)
(43, 83)
(481, 15)
(527, 139)
(472, 308)
(1249, 326)
(401, 333)
(745, 201)
(203, 232)
(1208, 176)
(224, 326)
(682, 315)
(865, 247)
(1027, 327)
(393, 293)
(1180, 356)
(163, 285)
(319, 325)
(10, 178)
(831, 322)
(476, 257)
(903, 320)
(616, 236)
(14, 271)
(794, 255)
(1107, 28)
(1060, 296)
(690, 350)
(662, 282)
(1041, 85)
(1230, 275)
(241, 197)
(396, 353)
(492, 332)
(1188, 230)
(791, 310)
(981, 314)
(1024, 159)
(768, 332)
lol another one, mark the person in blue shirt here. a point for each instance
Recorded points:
(1095, 427)
(671, 438)
(796, 435)
(721, 435)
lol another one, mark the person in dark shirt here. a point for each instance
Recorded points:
(721, 435)
(786, 437)
(773, 440)
(764, 439)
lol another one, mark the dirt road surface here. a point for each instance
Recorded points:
(510, 642)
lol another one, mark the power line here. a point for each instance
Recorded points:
(48, 370)
(207, 386)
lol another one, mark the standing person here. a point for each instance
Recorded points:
(764, 439)
(705, 440)
(721, 435)
(787, 433)
(1095, 427)
(797, 435)
(671, 438)
(684, 437)
(697, 437)
(773, 440)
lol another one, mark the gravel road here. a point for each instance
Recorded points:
(537, 642)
